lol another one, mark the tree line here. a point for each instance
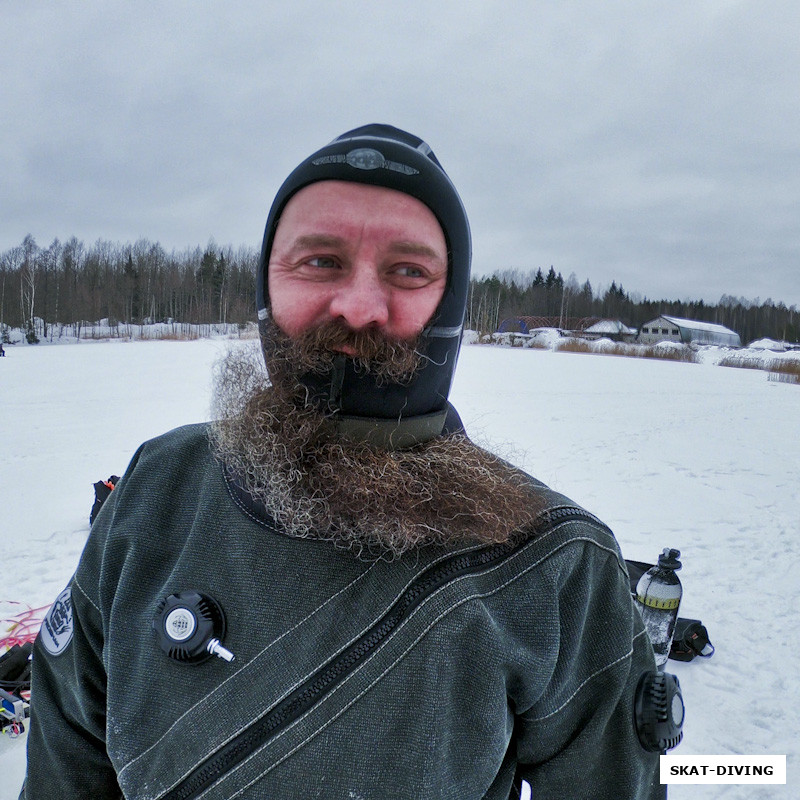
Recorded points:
(131, 283)
(510, 294)
(137, 283)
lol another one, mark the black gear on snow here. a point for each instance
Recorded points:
(102, 489)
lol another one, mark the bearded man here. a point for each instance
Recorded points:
(330, 591)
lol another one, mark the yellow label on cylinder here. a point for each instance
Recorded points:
(656, 602)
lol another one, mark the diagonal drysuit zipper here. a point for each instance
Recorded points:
(330, 675)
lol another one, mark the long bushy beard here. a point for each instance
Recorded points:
(314, 483)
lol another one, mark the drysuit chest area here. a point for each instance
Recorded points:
(361, 692)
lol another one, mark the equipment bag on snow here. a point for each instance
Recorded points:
(15, 684)
(690, 640)
(15, 668)
(691, 636)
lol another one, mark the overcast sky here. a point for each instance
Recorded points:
(655, 144)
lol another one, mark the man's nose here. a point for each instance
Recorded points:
(362, 301)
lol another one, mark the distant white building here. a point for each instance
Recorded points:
(675, 329)
(611, 329)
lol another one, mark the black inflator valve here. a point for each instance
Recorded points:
(659, 711)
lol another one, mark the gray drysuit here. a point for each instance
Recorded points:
(443, 674)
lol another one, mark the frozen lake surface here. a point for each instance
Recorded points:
(693, 456)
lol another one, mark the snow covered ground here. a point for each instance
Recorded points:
(692, 456)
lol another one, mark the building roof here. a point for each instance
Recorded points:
(711, 327)
(609, 326)
(528, 323)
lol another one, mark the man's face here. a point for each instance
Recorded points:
(364, 256)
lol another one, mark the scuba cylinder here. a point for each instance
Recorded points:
(658, 596)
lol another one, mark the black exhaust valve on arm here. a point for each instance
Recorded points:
(659, 711)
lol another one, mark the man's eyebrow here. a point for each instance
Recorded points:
(312, 241)
(415, 249)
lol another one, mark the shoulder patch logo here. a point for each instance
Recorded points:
(57, 627)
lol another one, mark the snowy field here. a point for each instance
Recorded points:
(692, 456)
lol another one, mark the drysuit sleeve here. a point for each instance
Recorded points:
(66, 743)
(580, 740)
(67, 755)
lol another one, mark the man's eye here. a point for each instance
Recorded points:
(323, 262)
(409, 271)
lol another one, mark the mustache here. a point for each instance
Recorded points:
(316, 350)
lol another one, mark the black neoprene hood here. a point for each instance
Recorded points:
(381, 155)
